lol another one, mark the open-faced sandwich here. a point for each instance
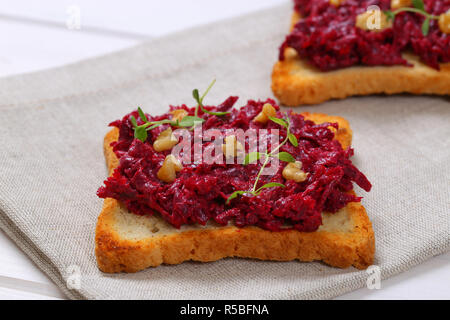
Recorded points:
(210, 182)
(340, 48)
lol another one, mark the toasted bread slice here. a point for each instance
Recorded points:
(126, 242)
(296, 82)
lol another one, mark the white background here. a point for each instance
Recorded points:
(34, 36)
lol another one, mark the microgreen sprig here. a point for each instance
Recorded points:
(199, 100)
(255, 156)
(140, 131)
(418, 7)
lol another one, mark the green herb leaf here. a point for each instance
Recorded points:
(251, 157)
(207, 90)
(213, 112)
(234, 195)
(133, 121)
(269, 185)
(284, 156)
(154, 124)
(279, 121)
(293, 139)
(419, 8)
(196, 96)
(199, 100)
(426, 27)
(389, 14)
(189, 121)
(140, 133)
(142, 115)
(418, 4)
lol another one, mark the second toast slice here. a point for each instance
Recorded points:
(296, 82)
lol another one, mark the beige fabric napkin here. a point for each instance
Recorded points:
(52, 124)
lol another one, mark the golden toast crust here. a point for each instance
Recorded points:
(296, 82)
(339, 249)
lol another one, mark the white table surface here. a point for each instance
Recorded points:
(35, 37)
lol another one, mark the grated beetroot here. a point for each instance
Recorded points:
(200, 191)
(327, 36)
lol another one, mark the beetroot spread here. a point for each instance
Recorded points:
(200, 191)
(328, 38)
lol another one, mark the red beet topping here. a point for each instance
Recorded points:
(200, 191)
(328, 38)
